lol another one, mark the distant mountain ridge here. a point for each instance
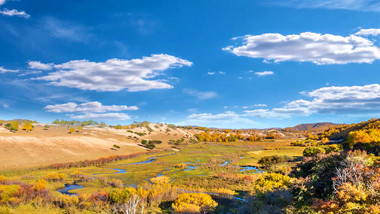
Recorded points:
(313, 126)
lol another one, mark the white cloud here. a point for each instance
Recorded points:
(285, 112)
(29, 73)
(2, 2)
(360, 5)
(14, 12)
(39, 65)
(66, 30)
(228, 115)
(223, 120)
(219, 72)
(87, 107)
(202, 95)
(260, 105)
(256, 105)
(308, 47)
(264, 73)
(334, 99)
(368, 32)
(3, 70)
(105, 116)
(174, 78)
(115, 74)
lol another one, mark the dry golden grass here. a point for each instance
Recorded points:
(41, 147)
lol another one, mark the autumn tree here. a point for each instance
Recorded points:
(14, 125)
(71, 130)
(28, 126)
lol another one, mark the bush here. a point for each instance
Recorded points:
(274, 159)
(77, 174)
(144, 142)
(119, 195)
(312, 151)
(116, 183)
(271, 181)
(14, 126)
(40, 185)
(5, 210)
(160, 180)
(55, 177)
(333, 148)
(154, 142)
(65, 201)
(194, 203)
(9, 194)
(181, 166)
(271, 202)
(28, 126)
(151, 146)
(307, 142)
(3, 179)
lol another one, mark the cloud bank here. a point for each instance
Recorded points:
(4, 70)
(114, 74)
(105, 116)
(92, 110)
(368, 32)
(87, 107)
(222, 120)
(320, 49)
(13, 12)
(334, 99)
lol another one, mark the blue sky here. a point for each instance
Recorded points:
(228, 64)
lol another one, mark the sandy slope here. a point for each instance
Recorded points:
(43, 147)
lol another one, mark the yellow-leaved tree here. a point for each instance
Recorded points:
(71, 130)
(14, 125)
(28, 126)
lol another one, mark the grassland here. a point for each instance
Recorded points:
(204, 160)
(44, 146)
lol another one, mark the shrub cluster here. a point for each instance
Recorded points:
(151, 144)
(274, 159)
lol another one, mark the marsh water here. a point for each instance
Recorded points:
(74, 186)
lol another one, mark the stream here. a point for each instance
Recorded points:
(74, 186)
(69, 187)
